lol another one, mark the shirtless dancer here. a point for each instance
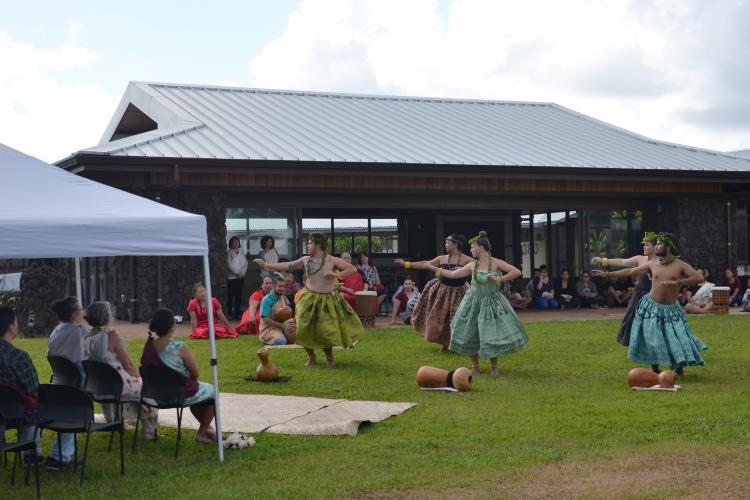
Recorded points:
(324, 318)
(660, 332)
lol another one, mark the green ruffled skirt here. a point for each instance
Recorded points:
(661, 335)
(485, 324)
(326, 320)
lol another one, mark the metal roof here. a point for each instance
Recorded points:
(209, 122)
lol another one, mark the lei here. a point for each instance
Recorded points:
(475, 276)
(308, 267)
(666, 262)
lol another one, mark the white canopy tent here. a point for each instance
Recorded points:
(51, 213)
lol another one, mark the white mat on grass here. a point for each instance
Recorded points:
(657, 387)
(292, 414)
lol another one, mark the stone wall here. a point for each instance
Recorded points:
(178, 273)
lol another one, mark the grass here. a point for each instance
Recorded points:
(561, 411)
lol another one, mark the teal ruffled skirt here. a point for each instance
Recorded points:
(661, 335)
(485, 324)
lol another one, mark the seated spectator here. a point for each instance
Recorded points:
(199, 316)
(175, 354)
(586, 290)
(544, 291)
(530, 284)
(250, 324)
(273, 332)
(746, 298)
(519, 300)
(372, 278)
(351, 284)
(565, 291)
(731, 280)
(105, 345)
(18, 373)
(699, 299)
(618, 293)
(65, 341)
(292, 286)
(405, 302)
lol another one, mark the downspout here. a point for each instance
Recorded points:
(132, 289)
(729, 234)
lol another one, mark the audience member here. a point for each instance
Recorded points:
(105, 345)
(237, 267)
(544, 291)
(268, 253)
(746, 297)
(698, 297)
(65, 341)
(175, 354)
(273, 332)
(586, 290)
(404, 302)
(351, 284)
(731, 280)
(198, 309)
(18, 373)
(618, 292)
(250, 323)
(565, 291)
(371, 276)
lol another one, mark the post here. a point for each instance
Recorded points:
(214, 361)
(79, 294)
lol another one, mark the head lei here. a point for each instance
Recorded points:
(666, 238)
(650, 237)
(319, 240)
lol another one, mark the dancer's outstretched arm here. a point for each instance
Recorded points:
(295, 265)
(633, 261)
(624, 273)
(418, 265)
(456, 273)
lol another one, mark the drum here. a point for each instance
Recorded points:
(720, 298)
(366, 305)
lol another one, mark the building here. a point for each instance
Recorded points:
(395, 175)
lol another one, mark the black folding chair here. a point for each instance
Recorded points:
(104, 385)
(64, 372)
(70, 410)
(11, 416)
(165, 389)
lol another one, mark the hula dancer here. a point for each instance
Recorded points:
(642, 286)
(485, 324)
(324, 318)
(661, 334)
(440, 298)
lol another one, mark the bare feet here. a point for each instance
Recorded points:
(444, 349)
(205, 437)
(494, 372)
(331, 363)
(475, 370)
(311, 362)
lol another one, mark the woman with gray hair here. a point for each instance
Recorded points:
(105, 345)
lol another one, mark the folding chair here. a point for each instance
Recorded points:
(104, 385)
(11, 416)
(64, 372)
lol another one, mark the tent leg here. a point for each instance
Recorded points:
(214, 362)
(78, 280)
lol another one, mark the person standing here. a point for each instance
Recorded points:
(324, 318)
(268, 253)
(237, 267)
(660, 334)
(642, 286)
(441, 296)
(485, 324)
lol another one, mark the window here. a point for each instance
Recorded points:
(351, 235)
(377, 236)
(252, 224)
(385, 237)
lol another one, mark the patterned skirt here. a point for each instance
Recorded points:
(326, 320)
(434, 312)
(486, 325)
(661, 335)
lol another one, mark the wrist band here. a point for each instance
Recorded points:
(679, 283)
(407, 265)
(605, 262)
(499, 279)
(438, 272)
(265, 266)
(338, 276)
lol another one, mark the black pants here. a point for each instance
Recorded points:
(234, 297)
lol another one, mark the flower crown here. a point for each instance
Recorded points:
(650, 237)
(667, 240)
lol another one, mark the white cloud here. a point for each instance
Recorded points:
(45, 111)
(673, 70)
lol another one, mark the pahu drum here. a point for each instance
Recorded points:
(366, 305)
(720, 298)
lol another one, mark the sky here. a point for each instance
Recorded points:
(672, 70)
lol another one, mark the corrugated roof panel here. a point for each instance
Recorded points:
(260, 124)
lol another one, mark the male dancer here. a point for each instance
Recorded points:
(660, 332)
(324, 318)
(642, 286)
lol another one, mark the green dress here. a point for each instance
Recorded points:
(485, 323)
(326, 320)
(661, 335)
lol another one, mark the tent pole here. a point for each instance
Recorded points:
(214, 362)
(78, 280)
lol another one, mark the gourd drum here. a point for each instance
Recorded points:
(366, 305)
(720, 298)
(283, 314)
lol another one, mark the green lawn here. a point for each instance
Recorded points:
(559, 421)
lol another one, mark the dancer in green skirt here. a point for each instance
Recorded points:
(660, 334)
(485, 324)
(324, 318)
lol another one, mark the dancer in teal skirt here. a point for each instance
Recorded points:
(485, 324)
(660, 334)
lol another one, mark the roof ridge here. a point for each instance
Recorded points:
(351, 95)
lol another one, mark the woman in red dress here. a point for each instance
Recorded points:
(250, 324)
(199, 316)
(352, 283)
